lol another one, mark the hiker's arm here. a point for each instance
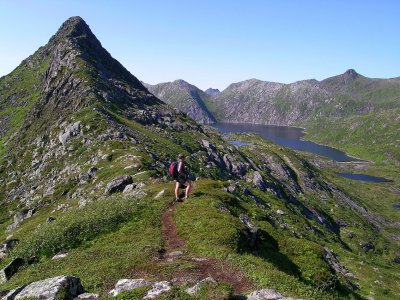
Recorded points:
(180, 165)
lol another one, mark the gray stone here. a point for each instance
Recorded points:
(158, 288)
(10, 269)
(232, 188)
(19, 217)
(333, 261)
(128, 285)
(175, 254)
(368, 246)
(139, 194)
(118, 184)
(265, 294)
(160, 194)
(8, 245)
(140, 185)
(60, 255)
(69, 132)
(50, 288)
(88, 296)
(92, 172)
(280, 212)
(258, 181)
(196, 288)
(129, 188)
(10, 295)
(251, 228)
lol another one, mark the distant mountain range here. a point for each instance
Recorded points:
(262, 102)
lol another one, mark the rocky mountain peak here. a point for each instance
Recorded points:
(73, 28)
(182, 84)
(212, 91)
(349, 75)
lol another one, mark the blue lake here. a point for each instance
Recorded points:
(363, 177)
(290, 137)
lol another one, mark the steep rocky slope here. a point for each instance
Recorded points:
(184, 97)
(83, 171)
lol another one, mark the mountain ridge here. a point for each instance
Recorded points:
(264, 102)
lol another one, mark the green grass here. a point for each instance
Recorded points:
(292, 266)
(107, 240)
(374, 136)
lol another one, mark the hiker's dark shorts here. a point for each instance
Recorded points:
(182, 183)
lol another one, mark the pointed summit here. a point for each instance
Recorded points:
(73, 27)
(76, 30)
(349, 76)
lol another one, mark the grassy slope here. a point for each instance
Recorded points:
(129, 239)
(374, 136)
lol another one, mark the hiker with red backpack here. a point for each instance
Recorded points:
(180, 173)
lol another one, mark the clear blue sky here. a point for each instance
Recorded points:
(214, 43)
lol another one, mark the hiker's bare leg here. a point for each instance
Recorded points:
(177, 190)
(189, 189)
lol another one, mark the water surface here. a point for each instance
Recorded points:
(363, 177)
(290, 137)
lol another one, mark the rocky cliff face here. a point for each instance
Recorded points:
(184, 97)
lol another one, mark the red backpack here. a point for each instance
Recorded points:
(173, 169)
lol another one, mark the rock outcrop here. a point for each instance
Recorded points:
(157, 288)
(118, 184)
(56, 288)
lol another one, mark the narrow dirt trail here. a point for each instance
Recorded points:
(204, 267)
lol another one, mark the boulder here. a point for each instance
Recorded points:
(196, 288)
(69, 132)
(60, 255)
(333, 261)
(10, 295)
(175, 254)
(160, 194)
(368, 246)
(232, 187)
(60, 287)
(129, 188)
(140, 185)
(251, 228)
(10, 269)
(7, 246)
(280, 212)
(258, 181)
(342, 223)
(128, 285)
(19, 217)
(88, 296)
(139, 194)
(265, 294)
(118, 184)
(158, 288)
(92, 172)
